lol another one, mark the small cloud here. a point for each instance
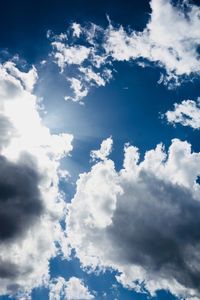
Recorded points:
(104, 151)
(76, 29)
(73, 289)
(78, 89)
(186, 113)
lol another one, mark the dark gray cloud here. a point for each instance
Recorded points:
(8, 269)
(12, 271)
(157, 227)
(20, 199)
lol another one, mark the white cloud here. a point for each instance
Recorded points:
(76, 28)
(91, 76)
(27, 80)
(73, 289)
(57, 37)
(66, 55)
(170, 40)
(79, 91)
(104, 151)
(186, 113)
(87, 63)
(143, 220)
(56, 289)
(32, 155)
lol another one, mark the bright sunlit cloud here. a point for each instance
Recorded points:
(29, 160)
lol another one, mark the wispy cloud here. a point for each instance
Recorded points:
(169, 41)
(82, 55)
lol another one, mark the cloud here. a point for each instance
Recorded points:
(169, 41)
(20, 198)
(142, 220)
(76, 28)
(66, 55)
(73, 289)
(104, 151)
(186, 113)
(79, 91)
(91, 76)
(31, 204)
(87, 78)
(6, 131)
(82, 55)
(27, 80)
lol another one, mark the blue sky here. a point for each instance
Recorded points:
(100, 132)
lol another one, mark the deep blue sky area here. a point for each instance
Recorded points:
(25, 23)
(128, 108)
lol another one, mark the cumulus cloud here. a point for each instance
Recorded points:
(73, 289)
(186, 113)
(142, 220)
(31, 204)
(170, 41)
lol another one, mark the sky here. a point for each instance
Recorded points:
(99, 150)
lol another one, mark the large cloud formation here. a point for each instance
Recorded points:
(31, 205)
(142, 221)
(170, 40)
